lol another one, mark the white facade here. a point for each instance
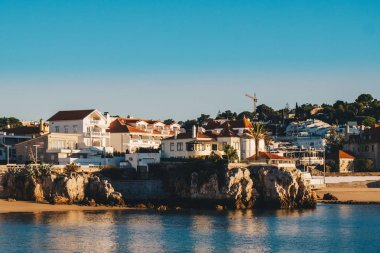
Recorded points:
(137, 160)
(129, 134)
(307, 142)
(91, 127)
(200, 145)
(309, 127)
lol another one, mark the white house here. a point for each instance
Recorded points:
(90, 124)
(129, 134)
(196, 144)
(140, 161)
(190, 145)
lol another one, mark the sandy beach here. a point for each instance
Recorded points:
(32, 207)
(352, 194)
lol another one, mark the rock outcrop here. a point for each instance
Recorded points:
(283, 188)
(240, 188)
(30, 184)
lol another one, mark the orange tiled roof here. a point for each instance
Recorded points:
(227, 132)
(189, 136)
(71, 115)
(119, 126)
(344, 155)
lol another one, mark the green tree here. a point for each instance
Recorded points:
(259, 132)
(367, 120)
(363, 165)
(188, 124)
(267, 113)
(11, 122)
(246, 114)
(334, 141)
(168, 121)
(364, 99)
(227, 115)
(203, 119)
(230, 153)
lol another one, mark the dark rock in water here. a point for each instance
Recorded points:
(59, 188)
(329, 196)
(162, 208)
(219, 207)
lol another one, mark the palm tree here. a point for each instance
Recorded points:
(259, 132)
(230, 153)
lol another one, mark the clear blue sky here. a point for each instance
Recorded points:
(177, 59)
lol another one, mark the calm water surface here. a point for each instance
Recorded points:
(329, 228)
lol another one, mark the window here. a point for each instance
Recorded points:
(373, 148)
(66, 129)
(171, 146)
(57, 129)
(214, 147)
(189, 146)
(75, 128)
(57, 145)
(179, 146)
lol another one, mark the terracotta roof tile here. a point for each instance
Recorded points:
(227, 132)
(118, 126)
(344, 155)
(189, 136)
(71, 115)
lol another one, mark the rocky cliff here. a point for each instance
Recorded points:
(40, 184)
(240, 188)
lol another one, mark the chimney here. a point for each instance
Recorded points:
(42, 129)
(108, 118)
(194, 132)
(175, 133)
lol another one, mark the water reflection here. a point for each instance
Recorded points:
(142, 233)
(329, 228)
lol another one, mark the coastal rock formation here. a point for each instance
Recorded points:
(239, 188)
(283, 188)
(30, 184)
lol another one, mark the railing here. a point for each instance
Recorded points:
(96, 134)
(146, 142)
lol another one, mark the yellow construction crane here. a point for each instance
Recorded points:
(255, 100)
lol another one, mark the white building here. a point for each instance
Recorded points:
(195, 144)
(90, 124)
(310, 127)
(130, 134)
(140, 161)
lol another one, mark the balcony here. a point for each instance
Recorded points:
(96, 134)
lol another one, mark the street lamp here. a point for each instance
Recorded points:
(7, 146)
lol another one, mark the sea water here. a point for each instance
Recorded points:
(329, 228)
